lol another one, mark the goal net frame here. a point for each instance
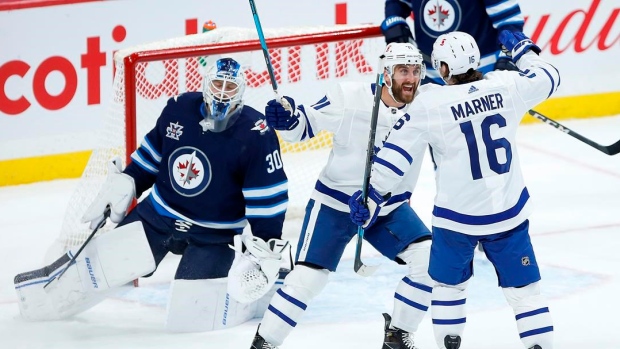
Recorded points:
(125, 98)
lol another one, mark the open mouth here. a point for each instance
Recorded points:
(408, 88)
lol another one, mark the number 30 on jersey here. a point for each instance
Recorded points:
(274, 161)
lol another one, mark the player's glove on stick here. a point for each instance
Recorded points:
(255, 268)
(281, 117)
(366, 216)
(396, 29)
(516, 44)
(117, 191)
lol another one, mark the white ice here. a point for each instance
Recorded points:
(575, 231)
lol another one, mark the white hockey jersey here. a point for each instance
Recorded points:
(472, 131)
(346, 111)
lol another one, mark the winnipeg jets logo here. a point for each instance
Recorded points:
(174, 131)
(261, 126)
(189, 170)
(440, 16)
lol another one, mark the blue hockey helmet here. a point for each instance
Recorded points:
(222, 91)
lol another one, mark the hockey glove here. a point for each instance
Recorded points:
(362, 215)
(255, 268)
(281, 117)
(117, 191)
(396, 29)
(516, 44)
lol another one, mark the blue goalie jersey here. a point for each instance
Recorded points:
(218, 180)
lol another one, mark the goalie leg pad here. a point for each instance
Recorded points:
(289, 303)
(204, 305)
(532, 314)
(106, 262)
(39, 304)
(123, 255)
(413, 293)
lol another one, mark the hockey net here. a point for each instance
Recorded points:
(305, 62)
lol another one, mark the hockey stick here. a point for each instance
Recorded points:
(609, 150)
(359, 267)
(106, 214)
(263, 44)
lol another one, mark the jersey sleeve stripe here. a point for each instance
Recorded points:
(501, 13)
(552, 82)
(265, 192)
(389, 166)
(322, 103)
(149, 147)
(308, 131)
(143, 163)
(266, 211)
(485, 219)
(504, 13)
(399, 150)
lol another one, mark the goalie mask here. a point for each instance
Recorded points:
(223, 89)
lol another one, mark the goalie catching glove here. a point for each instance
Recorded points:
(255, 268)
(117, 192)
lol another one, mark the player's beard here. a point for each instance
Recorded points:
(402, 96)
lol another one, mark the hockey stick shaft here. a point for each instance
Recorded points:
(359, 266)
(609, 150)
(106, 214)
(263, 44)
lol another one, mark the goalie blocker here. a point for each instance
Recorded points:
(123, 254)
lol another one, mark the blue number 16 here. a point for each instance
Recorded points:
(490, 144)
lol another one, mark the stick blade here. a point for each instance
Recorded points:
(364, 269)
(614, 148)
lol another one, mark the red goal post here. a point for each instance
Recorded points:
(306, 61)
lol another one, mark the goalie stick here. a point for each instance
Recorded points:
(359, 266)
(106, 214)
(263, 44)
(609, 150)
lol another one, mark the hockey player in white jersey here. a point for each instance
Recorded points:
(471, 126)
(399, 234)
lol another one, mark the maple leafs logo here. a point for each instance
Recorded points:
(187, 171)
(438, 15)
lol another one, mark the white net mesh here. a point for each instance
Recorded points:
(305, 62)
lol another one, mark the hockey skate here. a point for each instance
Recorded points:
(260, 343)
(395, 338)
(536, 347)
(452, 342)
